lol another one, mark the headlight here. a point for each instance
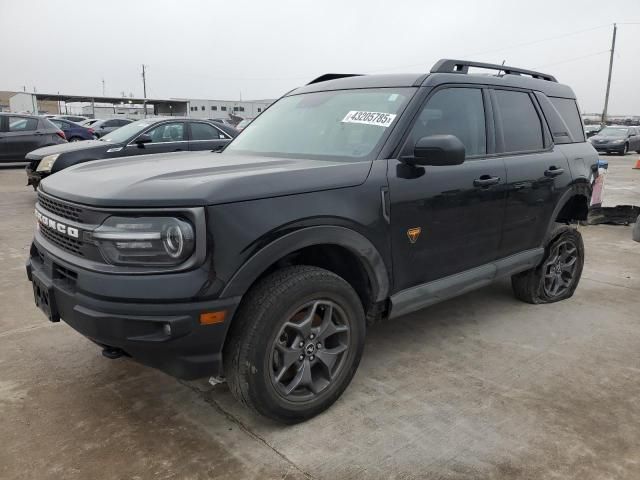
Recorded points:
(145, 241)
(47, 162)
(617, 142)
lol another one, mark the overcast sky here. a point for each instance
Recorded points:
(261, 49)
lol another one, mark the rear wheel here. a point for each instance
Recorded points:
(295, 344)
(558, 275)
(75, 139)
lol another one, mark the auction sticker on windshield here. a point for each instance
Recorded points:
(369, 118)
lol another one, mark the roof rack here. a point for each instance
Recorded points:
(332, 76)
(462, 66)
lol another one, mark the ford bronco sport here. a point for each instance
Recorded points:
(351, 199)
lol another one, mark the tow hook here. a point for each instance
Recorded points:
(112, 353)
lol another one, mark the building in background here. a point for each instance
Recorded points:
(134, 108)
(227, 109)
(25, 99)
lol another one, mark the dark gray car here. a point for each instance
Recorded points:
(20, 134)
(143, 137)
(102, 127)
(617, 139)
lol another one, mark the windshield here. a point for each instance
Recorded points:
(123, 134)
(613, 132)
(343, 124)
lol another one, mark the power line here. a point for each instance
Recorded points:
(526, 44)
(568, 60)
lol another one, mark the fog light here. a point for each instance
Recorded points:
(167, 329)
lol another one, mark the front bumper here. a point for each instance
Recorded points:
(608, 147)
(190, 350)
(33, 177)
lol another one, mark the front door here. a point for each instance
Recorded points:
(166, 137)
(447, 219)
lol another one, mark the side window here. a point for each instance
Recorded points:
(22, 124)
(455, 111)
(110, 123)
(521, 127)
(568, 110)
(204, 131)
(167, 132)
(59, 123)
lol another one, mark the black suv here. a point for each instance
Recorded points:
(351, 199)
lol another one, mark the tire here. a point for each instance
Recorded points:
(75, 139)
(261, 343)
(537, 285)
(624, 150)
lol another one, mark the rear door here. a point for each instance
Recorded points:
(204, 136)
(537, 173)
(165, 137)
(21, 137)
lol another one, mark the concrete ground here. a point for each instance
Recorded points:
(479, 387)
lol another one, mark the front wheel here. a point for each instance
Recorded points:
(75, 139)
(558, 275)
(295, 344)
(625, 149)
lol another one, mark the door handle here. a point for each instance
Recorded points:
(553, 172)
(485, 181)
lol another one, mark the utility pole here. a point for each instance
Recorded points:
(144, 90)
(103, 89)
(606, 96)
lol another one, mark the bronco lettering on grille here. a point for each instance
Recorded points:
(57, 226)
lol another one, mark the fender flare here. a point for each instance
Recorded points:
(353, 241)
(583, 189)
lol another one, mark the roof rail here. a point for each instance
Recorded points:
(462, 66)
(332, 76)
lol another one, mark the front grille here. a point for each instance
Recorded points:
(62, 241)
(61, 209)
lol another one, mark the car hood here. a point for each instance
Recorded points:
(607, 138)
(68, 147)
(197, 178)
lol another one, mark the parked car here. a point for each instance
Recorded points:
(143, 137)
(19, 134)
(89, 122)
(228, 129)
(243, 124)
(72, 118)
(102, 127)
(350, 200)
(617, 139)
(591, 130)
(224, 121)
(72, 131)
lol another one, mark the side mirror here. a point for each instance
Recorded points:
(142, 139)
(438, 150)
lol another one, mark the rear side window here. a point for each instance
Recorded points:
(204, 131)
(568, 110)
(521, 127)
(22, 124)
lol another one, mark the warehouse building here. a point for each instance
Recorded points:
(124, 107)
